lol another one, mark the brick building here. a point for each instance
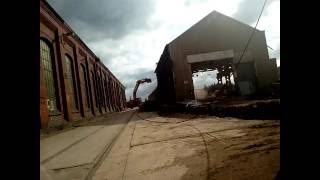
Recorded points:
(74, 83)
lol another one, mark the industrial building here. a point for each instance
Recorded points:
(214, 43)
(74, 83)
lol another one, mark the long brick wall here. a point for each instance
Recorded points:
(74, 83)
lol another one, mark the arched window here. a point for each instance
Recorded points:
(84, 85)
(101, 92)
(46, 64)
(98, 88)
(106, 91)
(70, 81)
(112, 91)
(94, 88)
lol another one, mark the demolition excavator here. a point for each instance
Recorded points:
(135, 102)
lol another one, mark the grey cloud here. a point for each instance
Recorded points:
(97, 19)
(249, 10)
(191, 2)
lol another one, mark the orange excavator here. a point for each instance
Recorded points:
(137, 101)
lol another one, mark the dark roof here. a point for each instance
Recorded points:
(213, 14)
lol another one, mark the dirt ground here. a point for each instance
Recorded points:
(181, 146)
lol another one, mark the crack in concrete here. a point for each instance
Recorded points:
(200, 134)
(164, 140)
(125, 166)
(69, 167)
(206, 147)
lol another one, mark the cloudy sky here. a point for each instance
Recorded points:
(130, 35)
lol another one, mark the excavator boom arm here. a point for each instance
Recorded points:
(137, 86)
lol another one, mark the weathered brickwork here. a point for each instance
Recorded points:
(74, 83)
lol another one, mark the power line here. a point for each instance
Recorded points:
(251, 35)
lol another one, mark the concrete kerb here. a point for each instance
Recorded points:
(98, 161)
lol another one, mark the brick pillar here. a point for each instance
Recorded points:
(91, 89)
(77, 87)
(112, 95)
(103, 91)
(96, 87)
(124, 98)
(117, 96)
(62, 74)
(107, 93)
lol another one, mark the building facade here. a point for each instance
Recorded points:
(74, 83)
(214, 43)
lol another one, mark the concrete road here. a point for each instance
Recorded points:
(178, 147)
(144, 146)
(73, 154)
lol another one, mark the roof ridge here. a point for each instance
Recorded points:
(232, 18)
(213, 13)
